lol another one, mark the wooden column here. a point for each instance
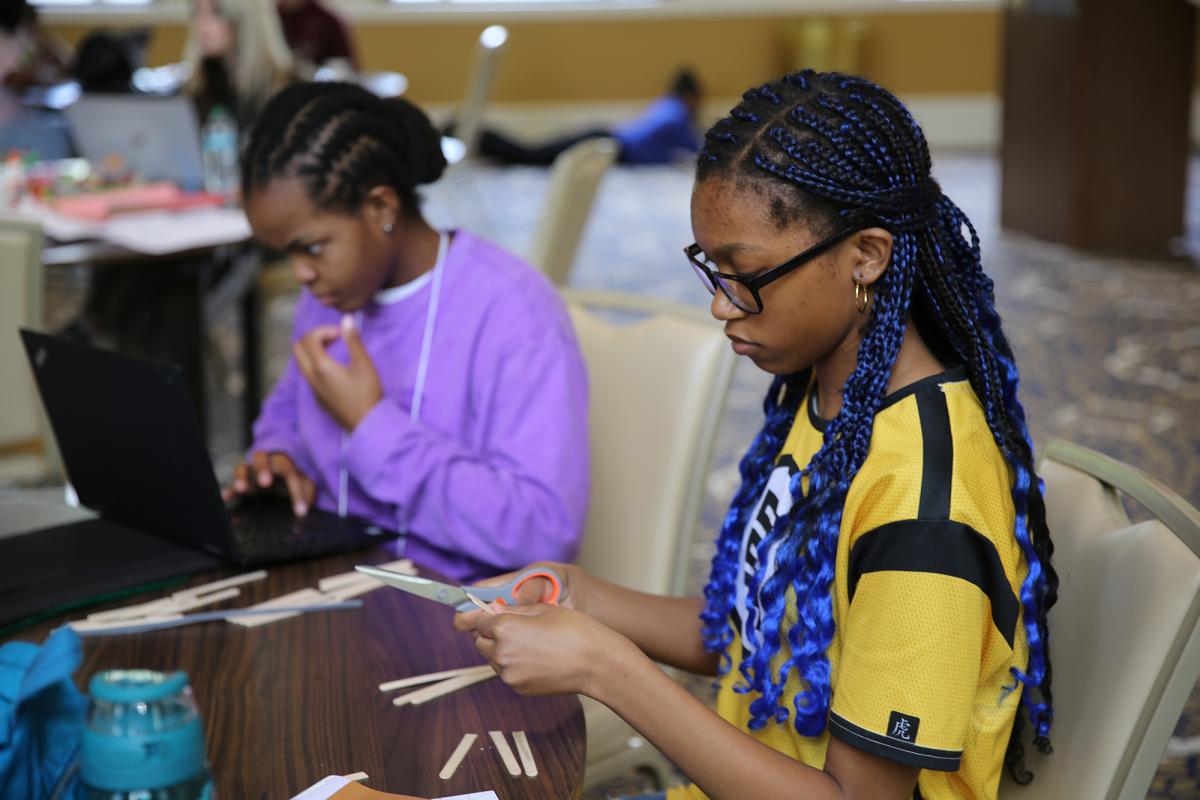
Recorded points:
(1097, 97)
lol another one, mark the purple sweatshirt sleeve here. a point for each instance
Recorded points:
(277, 428)
(523, 496)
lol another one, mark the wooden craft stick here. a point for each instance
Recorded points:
(186, 603)
(348, 590)
(183, 600)
(154, 607)
(224, 583)
(445, 687)
(506, 753)
(417, 680)
(356, 776)
(479, 602)
(304, 597)
(457, 756)
(178, 620)
(88, 625)
(525, 753)
(404, 565)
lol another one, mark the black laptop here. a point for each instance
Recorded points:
(134, 453)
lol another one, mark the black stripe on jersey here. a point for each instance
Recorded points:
(894, 749)
(943, 547)
(937, 450)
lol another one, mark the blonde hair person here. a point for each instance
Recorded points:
(236, 55)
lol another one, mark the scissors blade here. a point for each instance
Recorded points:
(422, 587)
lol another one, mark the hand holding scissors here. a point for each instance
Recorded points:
(460, 596)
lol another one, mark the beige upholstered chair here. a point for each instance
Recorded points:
(658, 385)
(469, 126)
(1125, 634)
(27, 450)
(574, 179)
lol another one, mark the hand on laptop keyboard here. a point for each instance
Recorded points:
(272, 472)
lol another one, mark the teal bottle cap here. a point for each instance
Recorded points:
(136, 685)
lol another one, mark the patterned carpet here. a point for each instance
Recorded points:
(1109, 348)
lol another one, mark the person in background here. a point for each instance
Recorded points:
(316, 35)
(660, 134)
(103, 64)
(435, 385)
(237, 56)
(41, 133)
(43, 56)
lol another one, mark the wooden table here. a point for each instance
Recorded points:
(287, 703)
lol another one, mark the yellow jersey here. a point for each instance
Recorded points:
(925, 596)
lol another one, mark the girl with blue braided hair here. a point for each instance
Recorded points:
(876, 609)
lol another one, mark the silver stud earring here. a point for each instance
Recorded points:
(388, 228)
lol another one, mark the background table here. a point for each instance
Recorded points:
(288, 703)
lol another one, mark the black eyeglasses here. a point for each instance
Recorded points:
(743, 292)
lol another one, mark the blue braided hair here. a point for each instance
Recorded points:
(823, 148)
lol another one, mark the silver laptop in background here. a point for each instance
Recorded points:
(159, 137)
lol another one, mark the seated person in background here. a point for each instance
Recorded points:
(237, 55)
(316, 35)
(103, 64)
(29, 130)
(656, 136)
(435, 385)
(44, 56)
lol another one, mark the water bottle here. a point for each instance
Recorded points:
(219, 144)
(142, 739)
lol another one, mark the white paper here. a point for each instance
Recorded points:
(161, 232)
(324, 788)
(328, 787)
(150, 232)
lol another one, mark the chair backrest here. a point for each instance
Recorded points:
(1125, 633)
(469, 125)
(20, 306)
(658, 385)
(574, 179)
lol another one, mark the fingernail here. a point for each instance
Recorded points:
(299, 508)
(264, 479)
(347, 322)
(240, 485)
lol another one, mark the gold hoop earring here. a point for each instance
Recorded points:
(862, 297)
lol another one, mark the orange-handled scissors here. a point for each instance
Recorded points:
(457, 596)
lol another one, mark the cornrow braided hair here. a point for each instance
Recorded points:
(824, 147)
(343, 141)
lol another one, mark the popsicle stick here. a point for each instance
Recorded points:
(506, 753)
(89, 625)
(356, 776)
(186, 603)
(445, 687)
(479, 603)
(525, 753)
(224, 583)
(179, 620)
(304, 597)
(182, 600)
(348, 590)
(161, 606)
(404, 566)
(457, 756)
(417, 680)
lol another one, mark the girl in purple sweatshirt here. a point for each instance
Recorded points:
(435, 385)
